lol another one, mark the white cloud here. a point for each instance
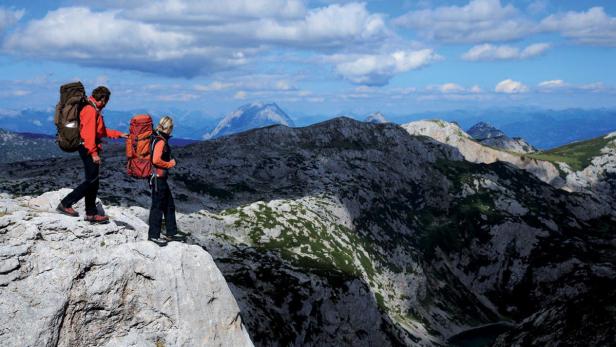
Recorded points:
(283, 85)
(595, 87)
(378, 69)
(504, 52)
(211, 11)
(552, 84)
(509, 86)
(477, 21)
(451, 88)
(189, 38)
(538, 6)
(20, 92)
(9, 17)
(592, 27)
(240, 95)
(118, 42)
(214, 86)
(329, 26)
(178, 97)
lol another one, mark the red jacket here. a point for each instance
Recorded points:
(92, 127)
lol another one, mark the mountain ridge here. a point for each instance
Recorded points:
(366, 220)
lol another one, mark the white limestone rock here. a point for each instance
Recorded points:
(65, 282)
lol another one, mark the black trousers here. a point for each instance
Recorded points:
(89, 187)
(162, 205)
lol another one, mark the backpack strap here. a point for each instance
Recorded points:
(155, 139)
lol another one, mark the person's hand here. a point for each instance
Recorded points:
(172, 162)
(96, 159)
(124, 135)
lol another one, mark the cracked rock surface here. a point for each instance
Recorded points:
(64, 282)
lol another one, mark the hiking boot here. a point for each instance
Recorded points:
(157, 240)
(175, 237)
(69, 211)
(97, 219)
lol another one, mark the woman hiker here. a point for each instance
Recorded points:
(162, 200)
(92, 130)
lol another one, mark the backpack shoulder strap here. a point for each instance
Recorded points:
(154, 139)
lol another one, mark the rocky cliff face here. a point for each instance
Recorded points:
(64, 282)
(599, 177)
(349, 233)
(473, 151)
(488, 135)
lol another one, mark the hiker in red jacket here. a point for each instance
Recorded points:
(92, 130)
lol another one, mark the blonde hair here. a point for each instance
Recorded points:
(165, 125)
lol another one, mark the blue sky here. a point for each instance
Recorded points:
(312, 57)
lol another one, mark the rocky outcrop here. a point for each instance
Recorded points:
(599, 177)
(488, 135)
(483, 130)
(516, 144)
(64, 282)
(473, 151)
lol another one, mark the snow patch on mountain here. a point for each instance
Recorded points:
(250, 116)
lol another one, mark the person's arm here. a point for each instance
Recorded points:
(157, 159)
(87, 117)
(114, 134)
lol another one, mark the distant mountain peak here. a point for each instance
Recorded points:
(483, 130)
(488, 135)
(250, 116)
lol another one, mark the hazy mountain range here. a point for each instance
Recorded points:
(541, 128)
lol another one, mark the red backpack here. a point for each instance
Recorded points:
(139, 147)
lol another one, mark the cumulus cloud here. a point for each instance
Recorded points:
(9, 17)
(451, 88)
(104, 39)
(504, 52)
(188, 38)
(560, 86)
(476, 89)
(552, 84)
(210, 11)
(592, 27)
(378, 69)
(477, 21)
(509, 86)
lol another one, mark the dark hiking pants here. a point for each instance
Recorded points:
(89, 187)
(162, 205)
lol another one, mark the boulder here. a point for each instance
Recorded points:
(66, 282)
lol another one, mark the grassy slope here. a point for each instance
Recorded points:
(577, 155)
